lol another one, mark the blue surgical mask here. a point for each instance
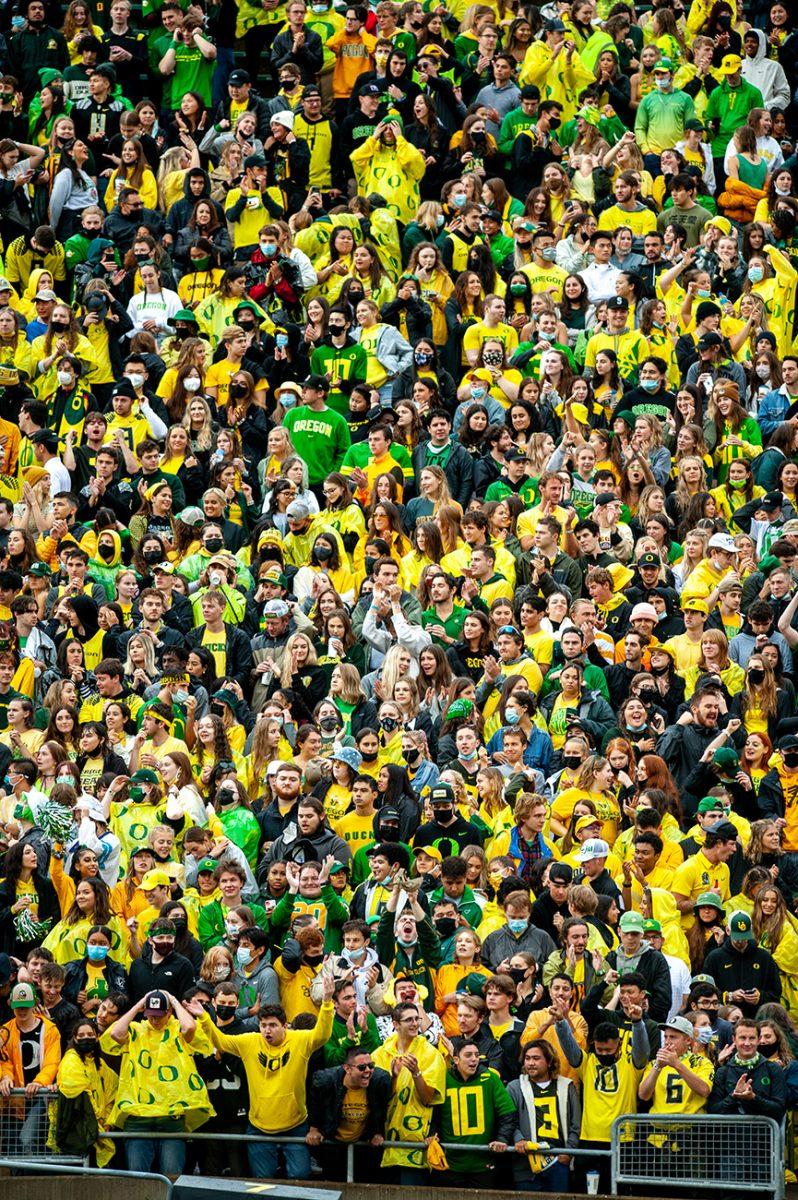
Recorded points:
(288, 399)
(649, 385)
(96, 953)
(243, 956)
(517, 926)
(546, 335)
(664, 85)
(440, 220)
(512, 717)
(704, 1035)
(268, 248)
(549, 253)
(756, 274)
(477, 393)
(459, 201)
(704, 293)
(281, 340)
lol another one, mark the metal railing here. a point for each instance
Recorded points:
(730, 1153)
(25, 1128)
(350, 1147)
(102, 1173)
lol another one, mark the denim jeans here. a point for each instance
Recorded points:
(554, 1179)
(164, 1155)
(264, 1156)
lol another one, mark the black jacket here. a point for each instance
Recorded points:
(459, 470)
(767, 1081)
(754, 968)
(175, 974)
(77, 975)
(653, 966)
(326, 1102)
(49, 909)
(239, 653)
(308, 58)
(255, 105)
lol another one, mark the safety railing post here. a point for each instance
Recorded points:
(350, 1163)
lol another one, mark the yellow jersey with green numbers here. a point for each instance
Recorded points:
(607, 1092)
(672, 1094)
(630, 346)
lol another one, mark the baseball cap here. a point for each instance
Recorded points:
(709, 804)
(694, 124)
(722, 541)
(679, 1024)
(254, 160)
(45, 437)
(442, 793)
(593, 848)
(618, 302)
(431, 852)
(631, 922)
(585, 823)
(297, 510)
(651, 926)
(723, 829)
(649, 559)
(515, 456)
(695, 604)
(238, 77)
(664, 64)
(740, 927)
(191, 515)
(729, 584)
(154, 879)
(317, 382)
(554, 25)
(370, 89)
(726, 759)
(157, 1003)
(708, 340)
(45, 294)
(144, 774)
(22, 996)
(730, 64)
(771, 501)
(276, 608)
(205, 864)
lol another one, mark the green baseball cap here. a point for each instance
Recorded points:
(709, 804)
(740, 927)
(726, 761)
(651, 926)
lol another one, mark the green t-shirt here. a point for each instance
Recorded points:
(347, 363)
(193, 73)
(320, 438)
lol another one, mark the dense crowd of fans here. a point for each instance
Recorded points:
(398, 582)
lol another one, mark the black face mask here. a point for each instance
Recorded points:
(59, 326)
(517, 974)
(225, 1012)
(355, 297)
(180, 926)
(369, 758)
(90, 234)
(412, 755)
(152, 556)
(607, 1060)
(445, 926)
(164, 951)
(337, 330)
(756, 674)
(646, 695)
(314, 960)
(369, 561)
(106, 552)
(213, 544)
(328, 724)
(322, 553)
(86, 1046)
(247, 326)
(769, 1050)
(571, 761)
(554, 123)
(659, 670)
(238, 389)
(442, 816)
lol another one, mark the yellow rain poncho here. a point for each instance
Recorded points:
(664, 910)
(157, 1076)
(408, 1119)
(557, 78)
(391, 171)
(77, 1075)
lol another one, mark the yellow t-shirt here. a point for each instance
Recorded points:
(354, 1114)
(696, 875)
(217, 644)
(356, 830)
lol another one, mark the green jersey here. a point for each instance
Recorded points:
(471, 1114)
(453, 623)
(344, 366)
(320, 437)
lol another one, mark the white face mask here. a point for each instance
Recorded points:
(762, 370)
(136, 380)
(65, 378)
(191, 384)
